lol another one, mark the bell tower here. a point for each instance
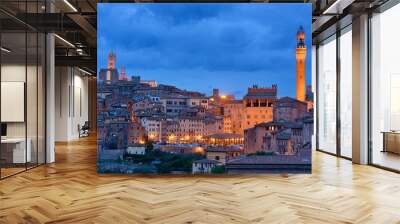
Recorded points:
(301, 52)
(111, 60)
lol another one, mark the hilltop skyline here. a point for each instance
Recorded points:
(166, 43)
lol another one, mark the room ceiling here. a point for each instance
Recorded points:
(75, 22)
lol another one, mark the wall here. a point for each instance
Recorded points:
(92, 98)
(71, 102)
(14, 73)
(314, 90)
(33, 126)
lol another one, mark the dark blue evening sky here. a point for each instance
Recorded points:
(204, 46)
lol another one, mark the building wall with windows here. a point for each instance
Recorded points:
(233, 113)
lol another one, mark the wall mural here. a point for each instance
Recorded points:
(204, 88)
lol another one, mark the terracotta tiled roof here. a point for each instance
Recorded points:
(224, 135)
(209, 161)
(223, 149)
(272, 159)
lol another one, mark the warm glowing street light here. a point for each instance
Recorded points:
(199, 150)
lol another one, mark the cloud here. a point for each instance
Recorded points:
(208, 37)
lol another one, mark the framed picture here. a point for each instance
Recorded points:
(204, 88)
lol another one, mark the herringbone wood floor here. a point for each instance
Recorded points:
(70, 191)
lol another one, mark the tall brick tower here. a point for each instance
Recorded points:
(301, 52)
(111, 60)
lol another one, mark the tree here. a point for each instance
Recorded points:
(149, 146)
(218, 169)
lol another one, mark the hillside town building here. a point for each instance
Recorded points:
(226, 131)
